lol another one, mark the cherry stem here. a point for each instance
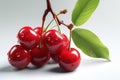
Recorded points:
(58, 25)
(51, 22)
(43, 21)
(58, 21)
(64, 11)
(49, 9)
(53, 26)
(70, 28)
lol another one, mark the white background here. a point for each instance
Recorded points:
(105, 22)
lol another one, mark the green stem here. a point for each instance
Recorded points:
(58, 25)
(53, 26)
(51, 22)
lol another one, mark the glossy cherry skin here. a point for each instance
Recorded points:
(28, 38)
(39, 56)
(18, 57)
(55, 42)
(69, 60)
(38, 30)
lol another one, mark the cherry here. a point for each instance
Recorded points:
(69, 60)
(18, 57)
(55, 42)
(28, 38)
(38, 30)
(39, 55)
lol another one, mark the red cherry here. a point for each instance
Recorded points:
(18, 57)
(38, 30)
(28, 38)
(55, 42)
(39, 56)
(69, 60)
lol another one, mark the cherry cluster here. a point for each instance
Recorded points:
(38, 45)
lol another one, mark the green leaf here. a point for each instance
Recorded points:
(89, 43)
(83, 10)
